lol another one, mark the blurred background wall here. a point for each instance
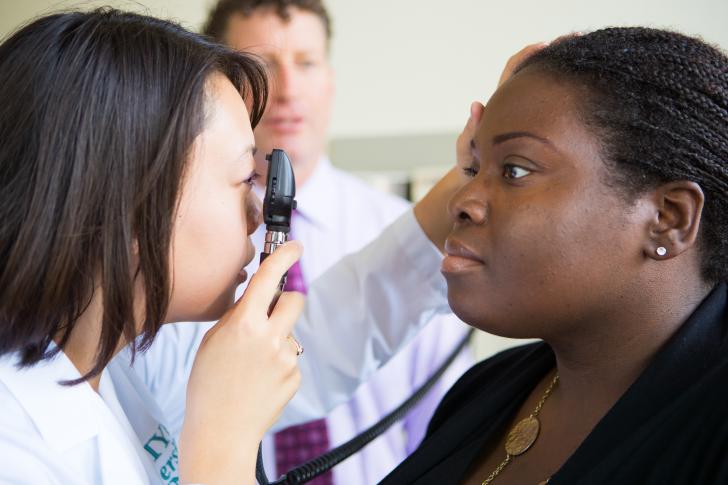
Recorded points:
(407, 70)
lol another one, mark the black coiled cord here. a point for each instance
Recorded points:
(313, 468)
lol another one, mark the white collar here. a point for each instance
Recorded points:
(64, 415)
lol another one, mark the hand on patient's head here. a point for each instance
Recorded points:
(463, 146)
(519, 57)
(516, 59)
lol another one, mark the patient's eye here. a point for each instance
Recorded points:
(511, 171)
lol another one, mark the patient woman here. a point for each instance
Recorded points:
(597, 220)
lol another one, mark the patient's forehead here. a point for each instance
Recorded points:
(538, 102)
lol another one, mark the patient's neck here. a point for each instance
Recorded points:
(598, 365)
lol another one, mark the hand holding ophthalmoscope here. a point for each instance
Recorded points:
(263, 335)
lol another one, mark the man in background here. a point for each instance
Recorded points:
(337, 214)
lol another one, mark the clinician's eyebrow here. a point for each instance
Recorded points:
(250, 149)
(521, 134)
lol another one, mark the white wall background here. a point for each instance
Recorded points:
(412, 66)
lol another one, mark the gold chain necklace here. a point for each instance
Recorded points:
(523, 435)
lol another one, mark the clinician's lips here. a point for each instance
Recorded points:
(242, 276)
(459, 258)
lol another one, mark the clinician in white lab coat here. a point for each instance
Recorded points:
(126, 156)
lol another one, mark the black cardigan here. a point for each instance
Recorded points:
(670, 427)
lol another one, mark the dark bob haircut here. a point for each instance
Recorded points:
(98, 115)
(658, 102)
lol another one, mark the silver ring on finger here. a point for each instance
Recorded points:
(299, 347)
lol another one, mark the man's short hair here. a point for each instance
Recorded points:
(219, 16)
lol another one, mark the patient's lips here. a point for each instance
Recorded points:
(459, 258)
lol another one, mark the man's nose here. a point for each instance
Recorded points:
(286, 83)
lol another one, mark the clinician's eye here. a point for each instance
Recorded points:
(251, 180)
(306, 63)
(511, 171)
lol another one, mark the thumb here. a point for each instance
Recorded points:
(263, 286)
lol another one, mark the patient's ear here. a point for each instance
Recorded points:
(676, 220)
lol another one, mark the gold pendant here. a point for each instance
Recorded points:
(522, 436)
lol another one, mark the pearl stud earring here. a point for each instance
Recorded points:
(661, 251)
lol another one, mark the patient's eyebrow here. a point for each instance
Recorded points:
(521, 134)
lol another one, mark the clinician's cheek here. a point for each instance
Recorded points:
(253, 212)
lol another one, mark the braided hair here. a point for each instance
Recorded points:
(658, 102)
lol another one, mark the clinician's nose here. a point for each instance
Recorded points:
(253, 212)
(469, 204)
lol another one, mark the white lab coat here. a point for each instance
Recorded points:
(51, 434)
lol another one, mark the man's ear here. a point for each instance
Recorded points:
(674, 228)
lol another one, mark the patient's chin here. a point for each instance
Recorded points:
(463, 306)
(476, 312)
